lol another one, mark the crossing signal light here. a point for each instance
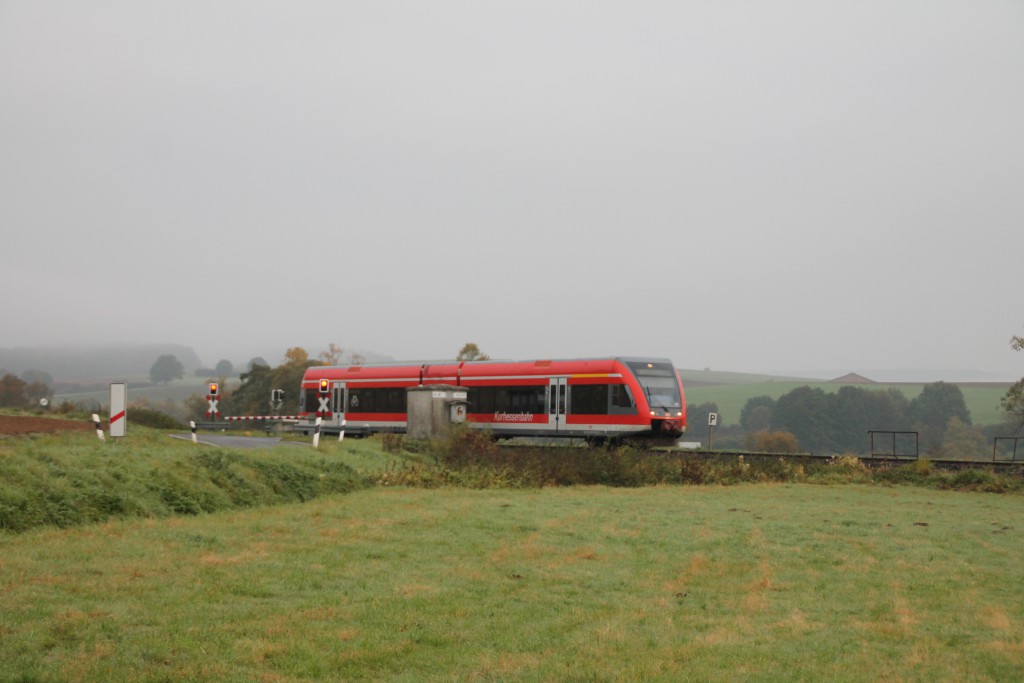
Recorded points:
(324, 386)
(213, 388)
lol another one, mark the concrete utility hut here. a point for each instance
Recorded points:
(433, 408)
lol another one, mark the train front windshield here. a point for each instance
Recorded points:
(660, 385)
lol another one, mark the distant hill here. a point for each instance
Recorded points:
(853, 378)
(94, 362)
(711, 378)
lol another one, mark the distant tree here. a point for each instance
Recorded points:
(37, 391)
(224, 368)
(471, 352)
(357, 358)
(332, 355)
(166, 368)
(253, 394)
(296, 356)
(697, 416)
(938, 402)
(827, 422)
(1013, 402)
(12, 391)
(931, 410)
(256, 360)
(805, 413)
(757, 413)
(961, 439)
(31, 376)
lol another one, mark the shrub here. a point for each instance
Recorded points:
(848, 464)
(464, 445)
(771, 442)
(976, 480)
(147, 417)
(392, 443)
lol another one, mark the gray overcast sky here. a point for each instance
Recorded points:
(750, 186)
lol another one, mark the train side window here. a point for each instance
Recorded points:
(589, 399)
(622, 400)
(482, 399)
(387, 400)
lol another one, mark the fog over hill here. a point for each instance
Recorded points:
(915, 375)
(71, 363)
(95, 361)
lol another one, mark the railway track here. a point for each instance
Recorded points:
(1009, 466)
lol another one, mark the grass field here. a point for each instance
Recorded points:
(753, 582)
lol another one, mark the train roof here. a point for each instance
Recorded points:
(420, 370)
(492, 361)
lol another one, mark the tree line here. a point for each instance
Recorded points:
(25, 391)
(252, 397)
(832, 423)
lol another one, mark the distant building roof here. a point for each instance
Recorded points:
(853, 378)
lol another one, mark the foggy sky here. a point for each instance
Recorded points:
(748, 186)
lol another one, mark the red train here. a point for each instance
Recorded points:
(592, 398)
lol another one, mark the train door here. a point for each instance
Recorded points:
(337, 404)
(558, 402)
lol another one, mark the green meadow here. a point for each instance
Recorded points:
(304, 579)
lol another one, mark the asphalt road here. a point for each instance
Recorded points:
(234, 441)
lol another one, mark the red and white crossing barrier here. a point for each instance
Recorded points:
(260, 417)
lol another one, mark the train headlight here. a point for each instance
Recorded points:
(653, 413)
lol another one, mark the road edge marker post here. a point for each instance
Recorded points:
(341, 434)
(192, 424)
(316, 432)
(118, 409)
(98, 426)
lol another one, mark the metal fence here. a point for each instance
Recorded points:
(885, 444)
(1010, 447)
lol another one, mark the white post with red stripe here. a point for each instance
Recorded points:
(118, 408)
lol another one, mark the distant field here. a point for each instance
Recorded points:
(176, 391)
(982, 401)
